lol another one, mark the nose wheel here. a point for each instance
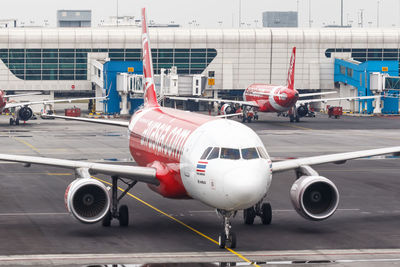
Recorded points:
(227, 238)
(263, 210)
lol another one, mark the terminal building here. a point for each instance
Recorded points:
(56, 59)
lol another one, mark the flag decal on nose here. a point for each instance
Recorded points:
(201, 167)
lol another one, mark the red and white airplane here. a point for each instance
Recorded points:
(22, 111)
(221, 163)
(272, 98)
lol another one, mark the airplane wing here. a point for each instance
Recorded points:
(243, 103)
(99, 121)
(331, 158)
(229, 115)
(325, 100)
(141, 174)
(315, 94)
(22, 104)
(35, 93)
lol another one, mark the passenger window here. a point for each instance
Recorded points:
(262, 153)
(230, 153)
(214, 153)
(249, 153)
(206, 152)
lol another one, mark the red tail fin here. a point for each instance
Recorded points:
(150, 96)
(290, 77)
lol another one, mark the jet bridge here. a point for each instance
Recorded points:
(379, 78)
(122, 82)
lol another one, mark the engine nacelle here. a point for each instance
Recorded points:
(302, 110)
(314, 197)
(87, 200)
(227, 109)
(25, 113)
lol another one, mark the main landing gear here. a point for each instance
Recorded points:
(12, 121)
(294, 118)
(263, 210)
(227, 237)
(121, 213)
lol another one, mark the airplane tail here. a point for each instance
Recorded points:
(150, 96)
(290, 78)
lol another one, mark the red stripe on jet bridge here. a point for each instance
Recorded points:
(202, 162)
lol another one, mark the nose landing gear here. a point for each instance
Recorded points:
(227, 236)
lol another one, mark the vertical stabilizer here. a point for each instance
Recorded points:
(290, 78)
(150, 96)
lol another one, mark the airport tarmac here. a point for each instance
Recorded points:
(35, 227)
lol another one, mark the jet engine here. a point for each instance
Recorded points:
(25, 113)
(314, 197)
(302, 110)
(227, 109)
(87, 200)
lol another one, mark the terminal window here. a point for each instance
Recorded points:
(71, 64)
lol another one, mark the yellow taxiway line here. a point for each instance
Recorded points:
(181, 223)
(294, 126)
(27, 144)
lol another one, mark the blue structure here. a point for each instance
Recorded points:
(357, 74)
(110, 71)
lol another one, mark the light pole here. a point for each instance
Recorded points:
(240, 13)
(377, 14)
(117, 13)
(309, 13)
(341, 14)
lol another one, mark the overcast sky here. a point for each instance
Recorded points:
(208, 13)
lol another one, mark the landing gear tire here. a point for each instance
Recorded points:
(266, 213)
(16, 121)
(107, 220)
(222, 240)
(11, 121)
(249, 215)
(232, 240)
(123, 216)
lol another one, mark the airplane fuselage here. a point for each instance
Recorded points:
(268, 103)
(174, 141)
(3, 101)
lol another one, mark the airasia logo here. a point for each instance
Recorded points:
(164, 139)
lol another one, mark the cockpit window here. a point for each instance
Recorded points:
(214, 153)
(249, 153)
(262, 153)
(206, 152)
(230, 153)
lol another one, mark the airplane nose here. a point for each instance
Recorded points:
(245, 187)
